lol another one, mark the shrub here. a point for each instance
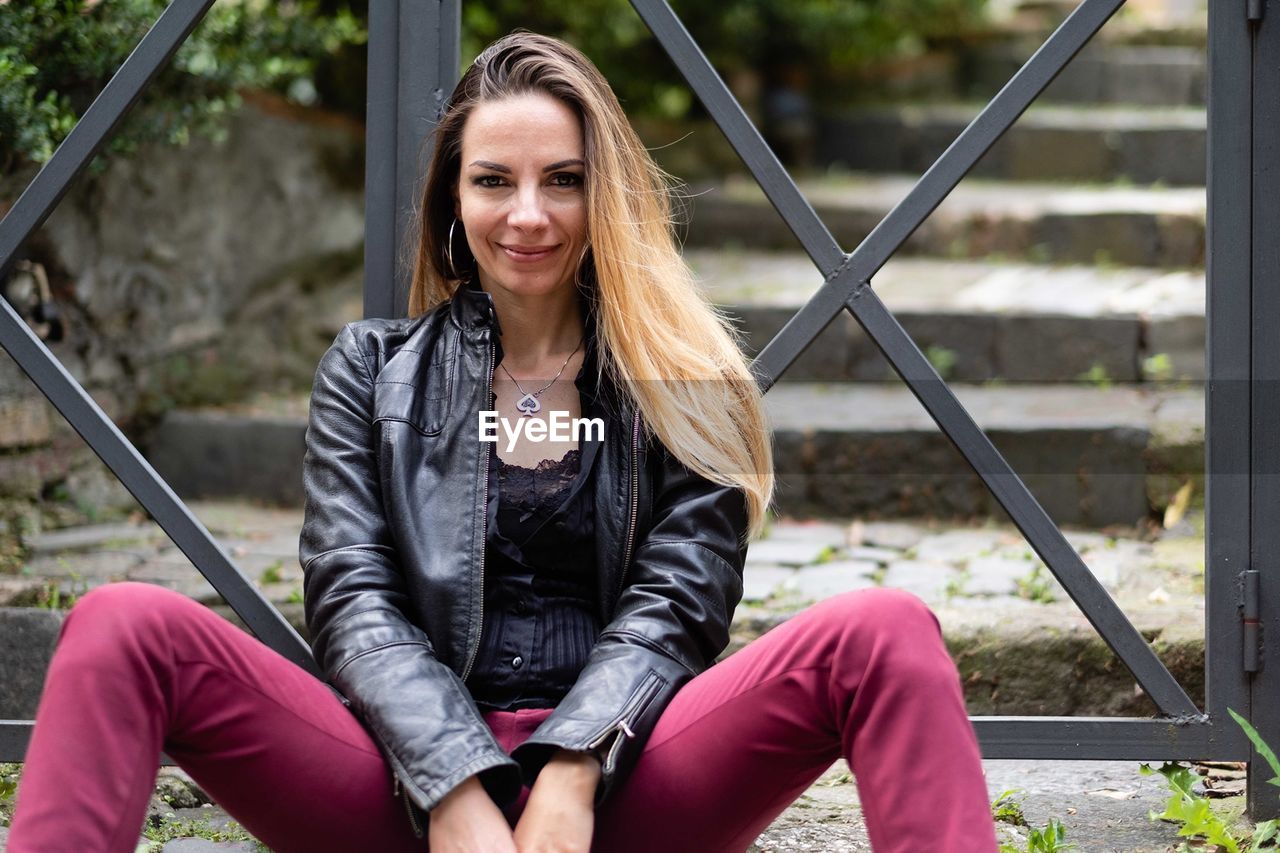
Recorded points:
(56, 56)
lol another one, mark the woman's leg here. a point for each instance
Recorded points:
(138, 669)
(864, 675)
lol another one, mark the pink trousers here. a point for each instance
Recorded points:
(139, 669)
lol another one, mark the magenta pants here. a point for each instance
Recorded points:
(139, 669)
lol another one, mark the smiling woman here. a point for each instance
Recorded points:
(520, 648)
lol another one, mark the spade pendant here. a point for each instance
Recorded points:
(528, 405)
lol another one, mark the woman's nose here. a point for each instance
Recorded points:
(527, 210)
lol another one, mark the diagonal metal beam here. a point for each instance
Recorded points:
(60, 387)
(932, 188)
(142, 481)
(95, 126)
(1007, 487)
(847, 286)
(782, 192)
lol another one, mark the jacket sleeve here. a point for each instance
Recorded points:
(416, 708)
(671, 621)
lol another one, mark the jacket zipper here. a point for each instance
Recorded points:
(408, 807)
(635, 505)
(484, 508)
(622, 724)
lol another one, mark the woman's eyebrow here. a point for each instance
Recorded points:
(561, 164)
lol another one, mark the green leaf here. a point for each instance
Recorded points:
(1258, 743)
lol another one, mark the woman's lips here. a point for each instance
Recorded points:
(527, 254)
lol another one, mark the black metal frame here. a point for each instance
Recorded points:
(408, 83)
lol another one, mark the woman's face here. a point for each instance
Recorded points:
(520, 193)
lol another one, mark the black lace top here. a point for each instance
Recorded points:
(529, 495)
(541, 615)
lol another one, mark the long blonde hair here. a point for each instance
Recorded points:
(661, 341)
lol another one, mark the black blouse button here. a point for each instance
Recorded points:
(517, 662)
(520, 608)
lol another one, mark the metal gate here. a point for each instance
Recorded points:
(408, 83)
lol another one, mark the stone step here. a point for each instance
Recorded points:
(979, 321)
(1092, 455)
(1037, 222)
(1141, 145)
(1102, 73)
(994, 597)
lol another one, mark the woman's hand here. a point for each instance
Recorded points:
(559, 816)
(468, 821)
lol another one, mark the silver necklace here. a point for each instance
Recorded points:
(528, 405)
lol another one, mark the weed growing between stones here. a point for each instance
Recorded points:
(1006, 809)
(943, 359)
(1096, 376)
(826, 555)
(171, 829)
(9, 774)
(52, 596)
(1051, 839)
(1195, 817)
(956, 583)
(1037, 586)
(271, 574)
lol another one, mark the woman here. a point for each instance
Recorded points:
(519, 633)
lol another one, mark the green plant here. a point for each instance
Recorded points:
(1006, 809)
(1267, 830)
(56, 56)
(271, 574)
(1037, 585)
(1158, 367)
(956, 583)
(942, 359)
(826, 555)
(169, 828)
(1097, 376)
(9, 776)
(51, 596)
(823, 42)
(295, 597)
(1051, 839)
(1195, 817)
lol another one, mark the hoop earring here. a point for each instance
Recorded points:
(582, 260)
(448, 253)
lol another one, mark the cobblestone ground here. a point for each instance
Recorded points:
(965, 572)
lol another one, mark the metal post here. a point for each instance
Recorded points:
(1264, 411)
(414, 51)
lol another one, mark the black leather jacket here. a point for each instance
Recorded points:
(392, 550)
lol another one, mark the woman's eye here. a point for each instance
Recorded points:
(487, 181)
(566, 179)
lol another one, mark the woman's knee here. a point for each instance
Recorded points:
(879, 613)
(127, 607)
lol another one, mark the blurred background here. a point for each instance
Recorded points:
(193, 276)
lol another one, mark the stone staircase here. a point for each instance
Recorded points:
(1059, 290)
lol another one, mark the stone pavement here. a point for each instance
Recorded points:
(1021, 645)
(1103, 805)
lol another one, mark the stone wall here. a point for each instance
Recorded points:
(185, 276)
